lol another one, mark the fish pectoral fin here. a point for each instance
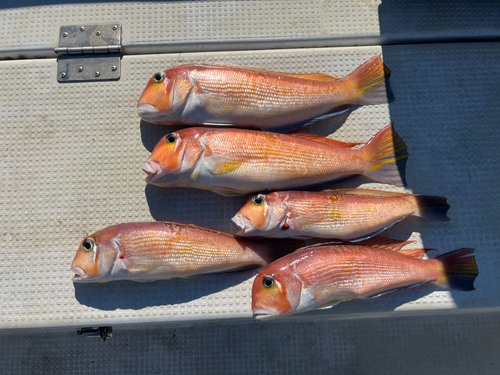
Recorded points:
(329, 304)
(286, 128)
(403, 288)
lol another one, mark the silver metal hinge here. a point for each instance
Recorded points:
(102, 332)
(89, 52)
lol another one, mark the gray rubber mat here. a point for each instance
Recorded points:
(30, 28)
(70, 159)
(444, 345)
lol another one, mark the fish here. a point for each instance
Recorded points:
(232, 161)
(324, 275)
(343, 214)
(153, 251)
(237, 96)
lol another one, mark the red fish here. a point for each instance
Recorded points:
(161, 250)
(321, 276)
(235, 96)
(237, 161)
(348, 214)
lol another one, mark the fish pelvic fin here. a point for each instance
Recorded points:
(368, 80)
(459, 270)
(429, 207)
(387, 154)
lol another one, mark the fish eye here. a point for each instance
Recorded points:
(158, 77)
(268, 282)
(88, 244)
(171, 138)
(258, 199)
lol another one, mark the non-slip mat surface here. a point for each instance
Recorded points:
(70, 159)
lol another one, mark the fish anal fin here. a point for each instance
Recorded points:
(329, 304)
(402, 288)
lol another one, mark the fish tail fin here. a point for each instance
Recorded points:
(430, 207)
(367, 80)
(459, 270)
(387, 154)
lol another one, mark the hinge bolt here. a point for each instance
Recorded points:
(82, 28)
(113, 68)
(98, 33)
(80, 69)
(115, 27)
(62, 75)
(65, 34)
(97, 74)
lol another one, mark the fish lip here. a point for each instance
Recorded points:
(244, 225)
(265, 314)
(80, 274)
(147, 111)
(154, 171)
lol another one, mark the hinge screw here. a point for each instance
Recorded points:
(113, 68)
(98, 33)
(97, 74)
(80, 69)
(115, 27)
(62, 75)
(82, 28)
(65, 34)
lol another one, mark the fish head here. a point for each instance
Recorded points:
(276, 292)
(96, 256)
(174, 157)
(165, 96)
(261, 215)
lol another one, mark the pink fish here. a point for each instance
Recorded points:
(237, 161)
(161, 250)
(236, 96)
(321, 276)
(348, 214)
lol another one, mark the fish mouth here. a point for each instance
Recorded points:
(244, 225)
(146, 111)
(80, 274)
(266, 314)
(154, 171)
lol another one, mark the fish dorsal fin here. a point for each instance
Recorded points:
(320, 139)
(372, 193)
(415, 253)
(321, 77)
(384, 243)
